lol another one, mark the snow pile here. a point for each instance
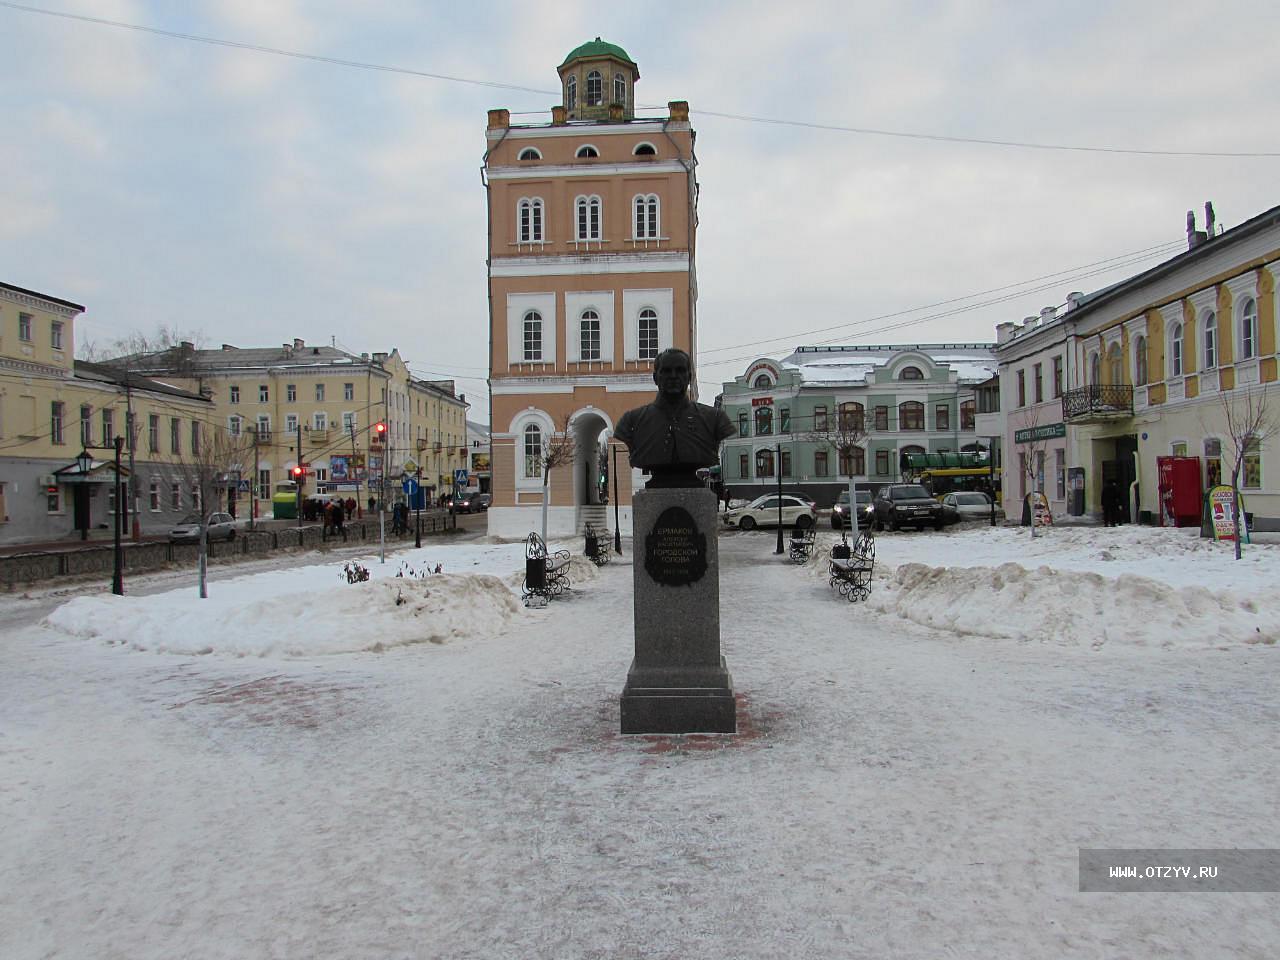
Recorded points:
(373, 615)
(1069, 607)
(1085, 586)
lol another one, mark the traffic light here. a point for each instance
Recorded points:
(379, 431)
(298, 472)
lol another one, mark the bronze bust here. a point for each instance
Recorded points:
(673, 436)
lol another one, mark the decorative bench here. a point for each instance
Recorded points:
(851, 570)
(544, 576)
(595, 546)
(802, 541)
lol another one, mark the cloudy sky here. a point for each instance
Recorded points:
(251, 198)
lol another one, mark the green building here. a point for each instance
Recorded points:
(827, 414)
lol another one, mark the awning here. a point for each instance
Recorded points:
(100, 471)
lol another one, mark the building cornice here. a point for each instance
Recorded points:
(40, 301)
(635, 127)
(580, 264)
(571, 170)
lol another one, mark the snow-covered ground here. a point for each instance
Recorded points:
(303, 767)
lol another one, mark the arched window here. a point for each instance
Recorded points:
(588, 218)
(530, 220)
(1175, 350)
(1095, 369)
(1248, 329)
(620, 89)
(911, 415)
(968, 411)
(645, 149)
(911, 373)
(764, 463)
(853, 461)
(1210, 340)
(595, 89)
(762, 382)
(764, 421)
(532, 337)
(1140, 361)
(851, 417)
(533, 450)
(645, 221)
(648, 334)
(571, 94)
(590, 335)
(530, 153)
(587, 152)
(1115, 365)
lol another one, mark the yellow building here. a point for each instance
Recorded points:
(53, 407)
(592, 222)
(319, 406)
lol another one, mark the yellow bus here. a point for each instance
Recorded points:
(943, 473)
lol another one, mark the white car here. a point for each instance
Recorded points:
(973, 505)
(763, 512)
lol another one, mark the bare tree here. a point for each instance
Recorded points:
(1249, 424)
(842, 435)
(136, 344)
(1031, 462)
(557, 449)
(216, 461)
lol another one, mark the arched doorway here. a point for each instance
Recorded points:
(591, 430)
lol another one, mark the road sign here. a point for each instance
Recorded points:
(410, 466)
(410, 486)
(460, 477)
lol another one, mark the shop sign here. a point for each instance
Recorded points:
(761, 401)
(1050, 431)
(1222, 512)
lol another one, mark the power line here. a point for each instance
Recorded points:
(934, 316)
(745, 118)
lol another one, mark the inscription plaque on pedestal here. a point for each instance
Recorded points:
(675, 553)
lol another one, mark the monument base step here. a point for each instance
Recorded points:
(679, 710)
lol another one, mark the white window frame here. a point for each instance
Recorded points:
(319, 393)
(662, 302)
(575, 304)
(531, 218)
(571, 93)
(320, 420)
(264, 393)
(24, 327)
(349, 424)
(1209, 340)
(619, 89)
(1141, 368)
(596, 100)
(234, 424)
(1247, 324)
(291, 423)
(588, 218)
(520, 304)
(589, 329)
(153, 495)
(55, 334)
(348, 391)
(646, 217)
(233, 393)
(532, 327)
(1177, 344)
(644, 149)
(263, 424)
(530, 153)
(647, 350)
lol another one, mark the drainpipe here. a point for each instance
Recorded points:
(1133, 488)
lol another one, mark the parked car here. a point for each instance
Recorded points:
(972, 505)
(900, 505)
(480, 502)
(763, 512)
(222, 526)
(840, 512)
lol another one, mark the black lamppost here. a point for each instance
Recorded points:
(617, 528)
(418, 497)
(85, 461)
(761, 460)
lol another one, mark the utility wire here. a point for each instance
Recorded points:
(745, 118)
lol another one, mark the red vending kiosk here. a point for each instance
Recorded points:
(1180, 491)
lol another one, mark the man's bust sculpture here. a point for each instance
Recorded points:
(673, 436)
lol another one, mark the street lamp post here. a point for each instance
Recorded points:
(85, 461)
(778, 466)
(417, 510)
(617, 527)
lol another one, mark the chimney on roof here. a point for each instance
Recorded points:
(1194, 237)
(1073, 300)
(1209, 219)
(227, 346)
(1005, 331)
(1047, 314)
(298, 343)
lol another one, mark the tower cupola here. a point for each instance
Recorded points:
(598, 81)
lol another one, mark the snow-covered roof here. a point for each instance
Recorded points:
(972, 362)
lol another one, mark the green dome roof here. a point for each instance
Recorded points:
(597, 48)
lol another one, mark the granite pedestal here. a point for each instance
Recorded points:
(678, 681)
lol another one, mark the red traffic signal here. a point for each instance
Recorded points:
(298, 472)
(379, 429)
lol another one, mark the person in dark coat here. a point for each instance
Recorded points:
(1111, 504)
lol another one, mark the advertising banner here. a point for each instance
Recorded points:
(339, 469)
(1222, 514)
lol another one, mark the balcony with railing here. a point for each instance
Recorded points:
(1097, 403)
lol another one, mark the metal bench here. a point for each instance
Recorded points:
(544, 576)
(851, 570)
(802, 540)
